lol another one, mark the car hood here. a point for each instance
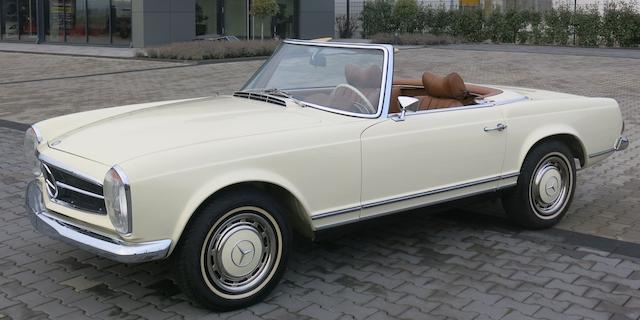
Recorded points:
(131, 134)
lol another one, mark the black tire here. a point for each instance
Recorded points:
(549, 166)
(224, 226)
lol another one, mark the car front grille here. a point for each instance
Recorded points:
(68, 189)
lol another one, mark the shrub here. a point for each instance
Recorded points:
(437, 20)
(467, 24)
(495, 27)
(587, 26)
(413, 39)
(629, 25)
(204, 50)
(406, 16)
(617, 25)
(377, 17)
(537, 27)
(557, 22)
(346, 27)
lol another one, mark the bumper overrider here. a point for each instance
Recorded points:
(621, 144)
(100, 244)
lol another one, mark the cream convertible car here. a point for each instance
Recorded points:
(320, 136)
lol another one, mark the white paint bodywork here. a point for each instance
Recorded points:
(340, 168)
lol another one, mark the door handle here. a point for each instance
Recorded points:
(498, 127)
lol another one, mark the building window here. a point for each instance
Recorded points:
(18, 20)
(231, 17)
(105, 22)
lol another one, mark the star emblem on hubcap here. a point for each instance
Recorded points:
(242, 253)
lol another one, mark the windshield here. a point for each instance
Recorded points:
(342, 79)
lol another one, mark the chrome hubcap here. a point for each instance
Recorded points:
(550, 186)
(240, 252)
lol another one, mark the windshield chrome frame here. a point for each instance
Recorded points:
(385, 85)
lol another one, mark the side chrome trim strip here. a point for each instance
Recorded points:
(601, 153)
(419, 195)
(335, 213)
(72, 188)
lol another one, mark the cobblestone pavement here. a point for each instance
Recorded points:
(455, 263)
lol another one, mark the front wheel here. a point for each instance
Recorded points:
(234, 251)
(545, 187)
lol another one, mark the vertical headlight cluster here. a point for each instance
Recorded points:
(31, 141)
(117, 198)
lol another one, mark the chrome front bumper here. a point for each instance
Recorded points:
(621, 144)
(100, 244)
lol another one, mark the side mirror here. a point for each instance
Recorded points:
(406, 103)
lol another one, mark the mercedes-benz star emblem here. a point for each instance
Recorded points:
(50, 181)
(242, 253)
(552, 186)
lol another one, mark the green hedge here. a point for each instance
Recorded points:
(617, 25)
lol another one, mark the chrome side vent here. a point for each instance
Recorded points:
(260, 97)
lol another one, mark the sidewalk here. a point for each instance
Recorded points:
(75, 50)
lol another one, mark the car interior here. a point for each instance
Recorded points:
(361, 92)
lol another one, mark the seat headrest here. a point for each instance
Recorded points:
(363, 78)
(450, 87)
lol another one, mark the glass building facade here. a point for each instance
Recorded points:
(101, 22)
(144, 23)
(232, 17)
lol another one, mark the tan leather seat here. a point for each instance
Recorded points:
(366, 80)
(442, 92)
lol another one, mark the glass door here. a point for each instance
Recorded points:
(27, 20)
(9, 19)
(55, 20)
(75, 21)
(207, 17)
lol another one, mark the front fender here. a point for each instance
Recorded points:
(206, 190)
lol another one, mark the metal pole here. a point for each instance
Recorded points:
(575, 10)
(348, 16)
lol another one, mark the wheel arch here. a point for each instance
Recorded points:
(295, 210)
(570, 139)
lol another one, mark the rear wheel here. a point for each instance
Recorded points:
(234, 252)
(545, 187)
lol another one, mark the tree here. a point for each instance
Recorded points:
(264, 8)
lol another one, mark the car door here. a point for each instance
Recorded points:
(430, 157)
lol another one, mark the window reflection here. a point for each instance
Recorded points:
(54, 20)
(10, 19)
(98, 14)
(75, 21)
(121, 17)
(81, 21)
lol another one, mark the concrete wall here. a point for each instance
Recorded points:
(162, 21)
(317, 19)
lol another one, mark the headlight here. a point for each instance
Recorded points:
(117, 198)
(31, 141)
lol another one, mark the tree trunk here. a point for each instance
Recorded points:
(261, 30)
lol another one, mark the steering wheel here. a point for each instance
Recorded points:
(365, 107)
